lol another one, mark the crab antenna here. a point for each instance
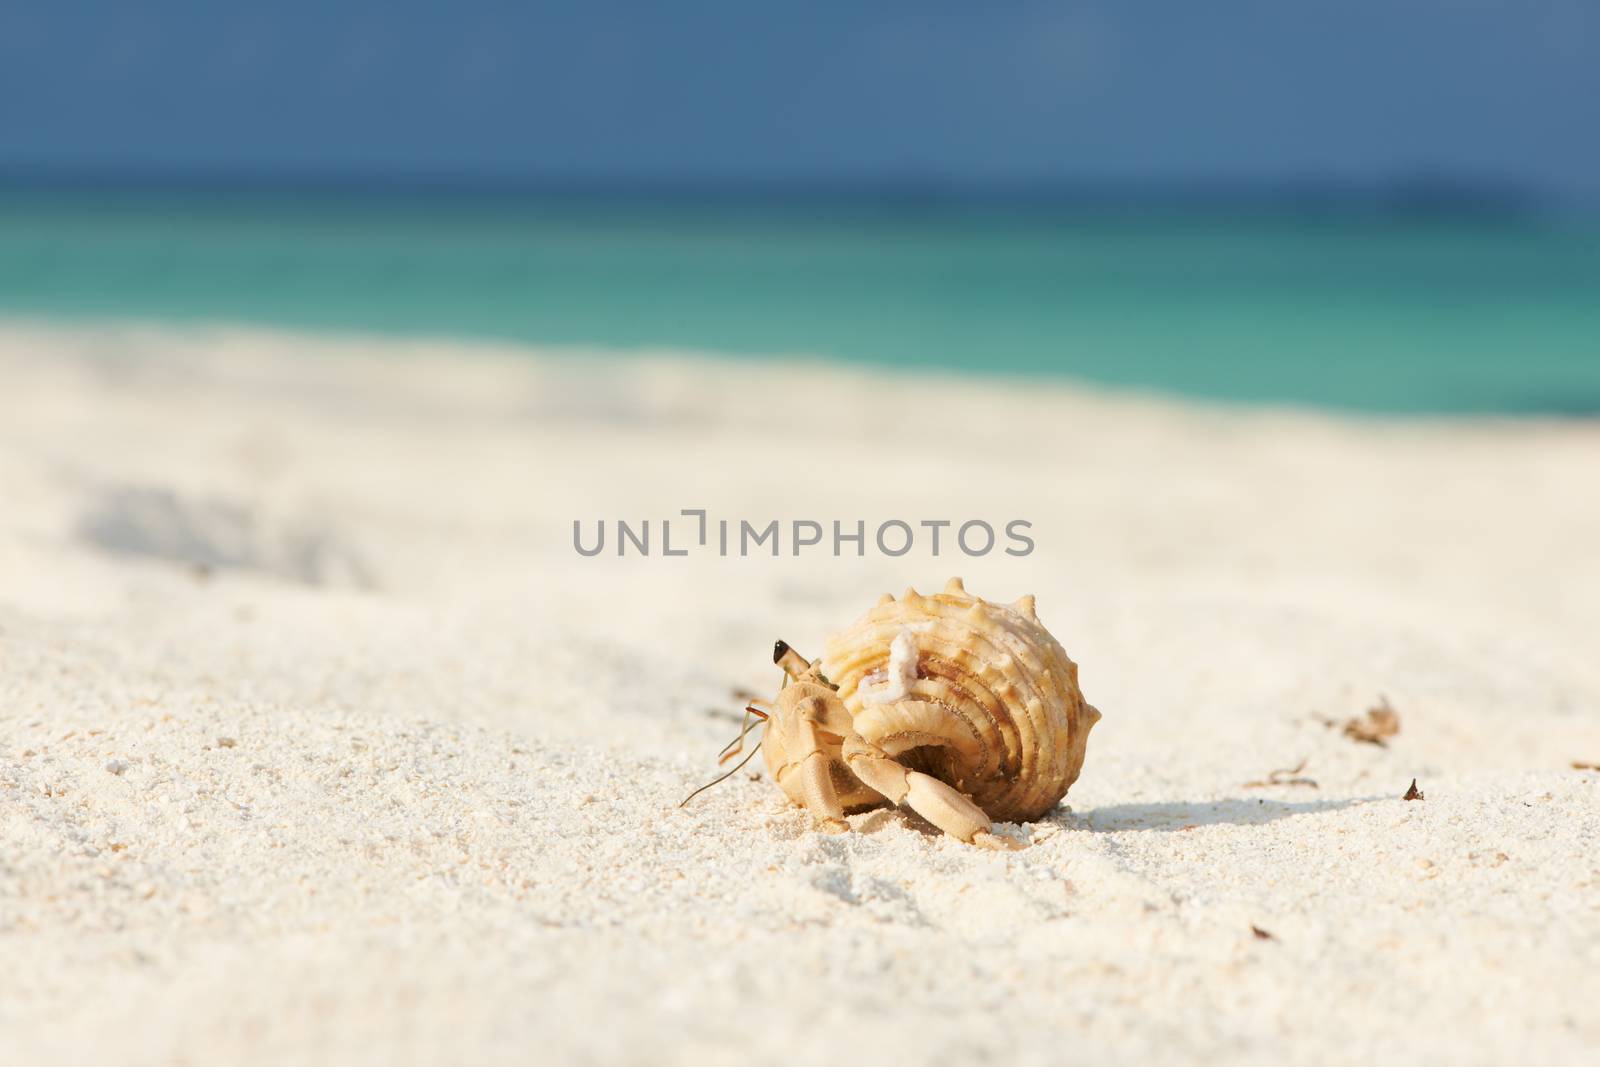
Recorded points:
(720, 778)
(792, 662)
(732, 748)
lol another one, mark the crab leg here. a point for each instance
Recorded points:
(812, 764)
(939, 803)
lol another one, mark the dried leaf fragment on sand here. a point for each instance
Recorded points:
(1380, 723)
(1289, 776)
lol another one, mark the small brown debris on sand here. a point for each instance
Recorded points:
(1580, 765)
(1414, 793)
(1262, 935)
(1290, 776)
(1380, 723)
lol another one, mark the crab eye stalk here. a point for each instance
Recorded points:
(792, 662)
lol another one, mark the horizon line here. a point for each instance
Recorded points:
(1420, 191)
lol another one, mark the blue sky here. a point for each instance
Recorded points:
(933, 92)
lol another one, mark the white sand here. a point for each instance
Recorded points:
(396, 781)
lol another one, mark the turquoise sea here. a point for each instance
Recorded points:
(1383, 310)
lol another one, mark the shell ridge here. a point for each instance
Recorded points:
(1014, 688)
(919, 715)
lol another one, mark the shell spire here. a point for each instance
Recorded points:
(954, 586)
(1024, 604)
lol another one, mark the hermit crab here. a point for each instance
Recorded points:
(961, 709)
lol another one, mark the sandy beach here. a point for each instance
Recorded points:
(320, 743)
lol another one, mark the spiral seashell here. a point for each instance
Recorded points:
(976, 694)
